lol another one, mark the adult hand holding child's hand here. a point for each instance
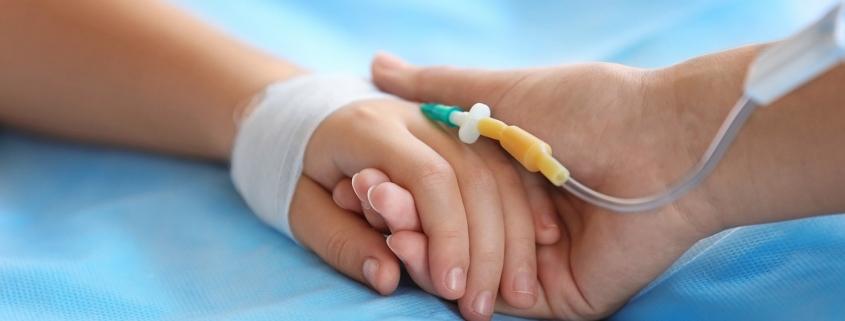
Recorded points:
(619, 130)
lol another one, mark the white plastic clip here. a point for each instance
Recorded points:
(469, 129)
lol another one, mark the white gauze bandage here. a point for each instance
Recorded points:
(270, 146)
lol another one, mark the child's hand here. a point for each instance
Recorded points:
(457, 192)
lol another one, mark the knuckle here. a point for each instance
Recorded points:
(523, 243)
(595, 311)
(450, 235)
(363, 113)
(434, 173)
(338, 247)
(480, 179)
(431, 80)
(430, 74)
(357, 117)
(489, 257)
(504, 170)
(499, 162)
(488, 253)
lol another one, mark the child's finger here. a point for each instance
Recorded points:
(412, 249)
(546, 231)
(344, 196)
(396, 206)
(342, 239)
(362, 182)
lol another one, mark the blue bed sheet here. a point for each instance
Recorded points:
(91, 233)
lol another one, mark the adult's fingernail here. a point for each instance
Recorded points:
(388, 61)
(548, 219)
(370, 270)
(523, 283)
(370, 198)
(455, 280)
(483, 303)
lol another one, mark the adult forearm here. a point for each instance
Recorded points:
(130, 73)
(787, 162)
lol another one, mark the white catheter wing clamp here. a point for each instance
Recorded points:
(469, 122)
(799, 59)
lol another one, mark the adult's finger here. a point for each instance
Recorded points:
(342, 239)
(445, 85)
(542, 309)
(543, 212)
(434, 185)
(480, 195)
(518, 283)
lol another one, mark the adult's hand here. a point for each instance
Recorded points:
(620, 130)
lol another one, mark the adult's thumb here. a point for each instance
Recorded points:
(441, 84)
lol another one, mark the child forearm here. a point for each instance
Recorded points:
(129, 73)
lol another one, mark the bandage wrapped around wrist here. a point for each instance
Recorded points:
(271, 141)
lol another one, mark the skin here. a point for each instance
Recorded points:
(629, 132)
(468, 194)
(141, 74)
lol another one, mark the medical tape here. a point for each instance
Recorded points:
(267, 159)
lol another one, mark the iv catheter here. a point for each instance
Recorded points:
(776, 72)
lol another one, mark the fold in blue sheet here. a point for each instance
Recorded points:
(94, 233)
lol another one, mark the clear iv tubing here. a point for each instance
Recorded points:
(730, 127)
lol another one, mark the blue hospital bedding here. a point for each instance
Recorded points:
(96, 233)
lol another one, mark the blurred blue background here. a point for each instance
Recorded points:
(344, 35)
(93, 233)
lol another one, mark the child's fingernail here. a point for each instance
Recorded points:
(353, 184)
(365, 205)
(548, 219)
(334, 198)
(391, 248)
(370, 269)
(388, 61)
(483, 304)
(370, 198)
(523, 283)
(455, 280)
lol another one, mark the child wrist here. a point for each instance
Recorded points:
(273, 135)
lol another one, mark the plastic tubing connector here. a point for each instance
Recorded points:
(440, 113)
(533, 153)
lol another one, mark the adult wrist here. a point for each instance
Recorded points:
(701, 92)
(704, 90)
